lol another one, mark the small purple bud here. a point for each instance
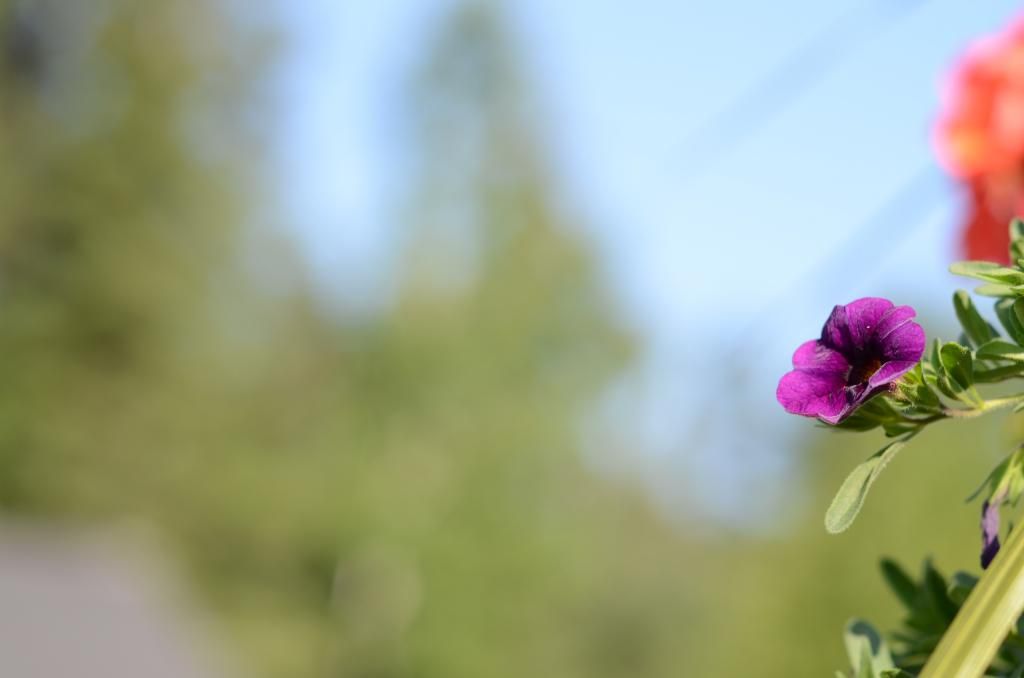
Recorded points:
(865, 346)
(989, 532)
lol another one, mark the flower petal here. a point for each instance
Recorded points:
(904, 343)
(816, 387)
(813, 393)
(855, 396)
(863, 317)
(893, 319)
(836, 334)
(989, 532)
(890, 372)
(850, 327)
(813, 355)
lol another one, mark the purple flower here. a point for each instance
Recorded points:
(865, 346)
(989, 531)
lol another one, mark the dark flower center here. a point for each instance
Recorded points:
(862, 370)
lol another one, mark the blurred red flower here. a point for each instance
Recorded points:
(992, 203)
(980, 139)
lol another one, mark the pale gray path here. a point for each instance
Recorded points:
(90, 606)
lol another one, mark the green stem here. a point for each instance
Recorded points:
(992, 608)
(986, 407)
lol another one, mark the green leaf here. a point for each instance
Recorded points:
(995, 291)
(899, 581)
(1017, 239)
(1018, 312)
(1008, 312)
(958, 365)
(961, 586)
(1011, 485)
(850, 497)
(878, 411)
(1000, 349)
(992, 375)
(976, 328)
(1016, 228)
(894, 429)
(866, 649)
(865, 664)
(856, 422)
(992, 479)
(957, 362)
(935, 373)
(914, 388)
(1006, 479)
(937, 590)
(989, 272)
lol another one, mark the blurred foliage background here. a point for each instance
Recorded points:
(392, 494)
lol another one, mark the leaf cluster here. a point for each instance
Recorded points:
(930, 603)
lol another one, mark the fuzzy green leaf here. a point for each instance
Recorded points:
(935, 373)
(1008, 312)
(976, 328)
(1017, 240)
(1000, 349)
(867, 651)
(900, 582)
(958, 364)
(852, 493)
(989, 272)
(994, 290)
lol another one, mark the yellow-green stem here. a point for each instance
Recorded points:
(974, 637)
(986, 407)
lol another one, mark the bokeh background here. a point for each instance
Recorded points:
(439, 338)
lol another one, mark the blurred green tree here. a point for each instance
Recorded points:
(478, 544)
(389, 497)
(116, 230)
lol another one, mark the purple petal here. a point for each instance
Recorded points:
(813, 355)
(835, 334)
(813, 393)
(855, 396)
(816, 388)
(810, 395)
(904, 343)
(893, 318)
(890, 372)
(850, 327)
(864, 316)
(989, 532)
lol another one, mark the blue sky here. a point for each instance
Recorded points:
(754, 245)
